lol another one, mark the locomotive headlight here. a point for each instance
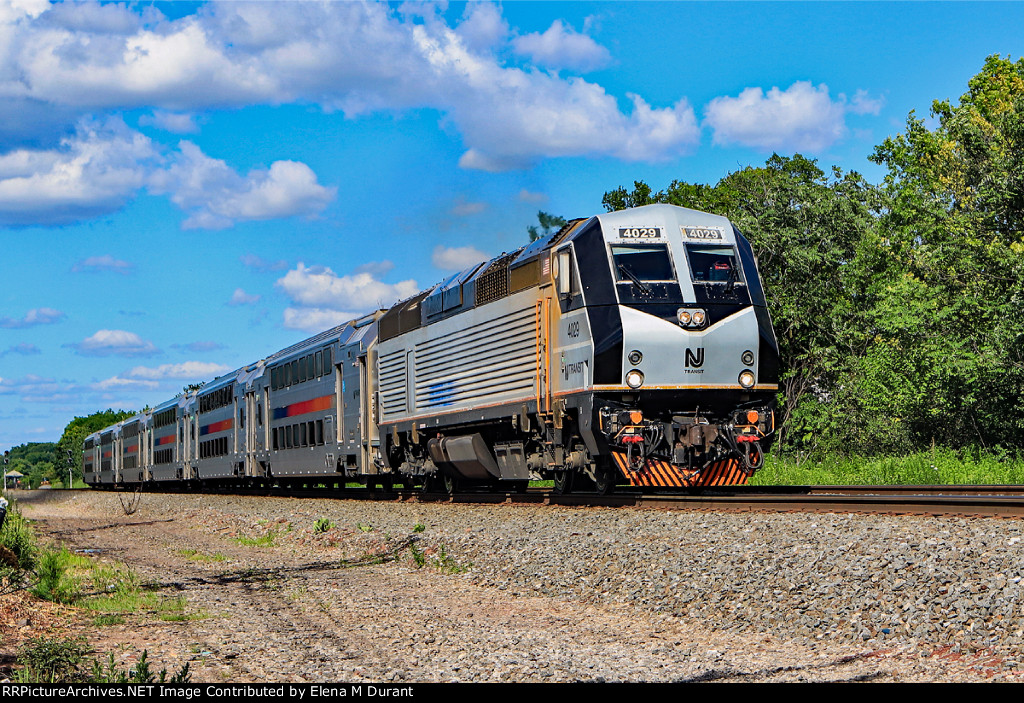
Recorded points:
(683, 316)
(635, 379)
(635, 357)
(747, 378)
(698, 317)
(747, 357)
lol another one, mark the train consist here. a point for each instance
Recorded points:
(631, 348)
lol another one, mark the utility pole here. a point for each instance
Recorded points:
(71, 466)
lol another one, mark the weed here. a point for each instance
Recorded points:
(55, 581)
(363, 527)
(195, 555)
(108, 619)
(17, 541)
(418, 557)
(418, 527)
(322, 525)
(109, 673)
(446, 564)
(46, 660)
(266, 540)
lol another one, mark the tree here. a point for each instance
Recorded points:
(548, 225)
(951, 284)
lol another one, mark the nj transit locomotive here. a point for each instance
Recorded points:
(633, 347)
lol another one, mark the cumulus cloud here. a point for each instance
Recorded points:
(184, 370)
(176, 122)
(240, 297)
(456, 258)
(323, 299)
(563, 47)
(37, 316)
(315, 319)
(93, 172)
(353, 57)
(217, 196)
(320, 287)
(802, 117)
(103, 263)
(115, 343)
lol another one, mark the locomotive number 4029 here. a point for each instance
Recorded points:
(640, 232)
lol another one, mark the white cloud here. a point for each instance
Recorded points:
(563, 47)
(30, 385)
(95, 171)
(464, 208)
(482, 26)
(103, 263)
(526, 196)
(22, 348)
(115, 343)
(184, 370)
(354, 57)
(36, 316)
(260, 264)
(320, 287)
(315, 319)
(176, 122)
(456, 258)
(240, 297)
(118, 383)
(216, 196)
(802, 117)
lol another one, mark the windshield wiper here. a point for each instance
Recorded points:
(633, 277)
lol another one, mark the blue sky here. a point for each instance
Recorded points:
(187, 187)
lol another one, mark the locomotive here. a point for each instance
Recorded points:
(631, 348)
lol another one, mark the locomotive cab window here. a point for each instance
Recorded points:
(713, 264)
(635, 263)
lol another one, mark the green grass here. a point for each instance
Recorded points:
(938, 467)
(18, 549)
(196, 555)
(266, 540)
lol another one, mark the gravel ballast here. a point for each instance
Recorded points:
(539, 593)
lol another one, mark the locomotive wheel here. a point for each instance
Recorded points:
(604, 481)
(563, 481)
(451, 484)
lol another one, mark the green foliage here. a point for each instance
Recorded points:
(139, 674)
(49, 660)
(419, 527)
(46, 660)
(17, 543)
(941, 466)
(36, 460)
(548, 225)
(322, 525)
(55, 581)
(266, 540)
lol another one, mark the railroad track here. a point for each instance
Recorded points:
(966, 501)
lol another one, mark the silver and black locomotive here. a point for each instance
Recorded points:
(630, 348)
